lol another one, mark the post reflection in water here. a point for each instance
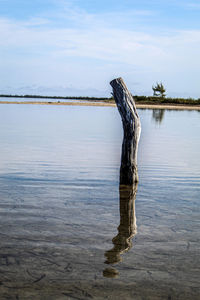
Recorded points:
(126, 231)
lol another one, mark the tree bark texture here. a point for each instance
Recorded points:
(132, 128)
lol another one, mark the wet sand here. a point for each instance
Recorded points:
(142, 106)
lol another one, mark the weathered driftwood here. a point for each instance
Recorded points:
(132, 129)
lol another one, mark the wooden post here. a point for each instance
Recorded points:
(132, 128)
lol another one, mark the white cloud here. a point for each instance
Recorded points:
(47, 51)
(109, 44)
(193, 5)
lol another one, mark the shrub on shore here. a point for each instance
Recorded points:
(168, 100)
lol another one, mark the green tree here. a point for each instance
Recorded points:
(159, 90)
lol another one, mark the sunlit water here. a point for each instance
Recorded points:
(49, 100)
(59, 205)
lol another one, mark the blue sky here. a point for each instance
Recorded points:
(76, 47)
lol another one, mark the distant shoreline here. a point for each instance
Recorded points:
(56, 97)
(90, 103)
(139, 100)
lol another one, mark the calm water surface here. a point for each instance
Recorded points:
(22, 99)
(62, 215)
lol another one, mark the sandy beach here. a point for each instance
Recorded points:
(142, 106)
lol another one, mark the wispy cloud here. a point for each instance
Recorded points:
(193, 5)
(62, 46)
(98, 42)
(106, 42)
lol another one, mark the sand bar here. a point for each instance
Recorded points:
(90, 103)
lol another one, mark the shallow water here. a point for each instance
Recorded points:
(61, 207)
(23, 99)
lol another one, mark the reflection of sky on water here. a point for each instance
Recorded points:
(18, 99)
(53, 134)
(61, 136)
(174, 143)
(59, 191)
(75, 143)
